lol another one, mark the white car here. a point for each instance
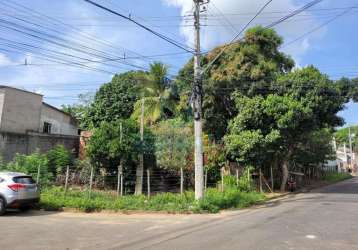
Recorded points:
(17, 190)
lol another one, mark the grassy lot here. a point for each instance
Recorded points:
(53, 198)
(336, 177)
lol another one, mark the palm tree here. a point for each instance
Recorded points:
(157, 101)
(156, 94)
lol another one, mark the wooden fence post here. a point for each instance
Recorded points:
(66, 180)
(122, 184)
(222, 179)
(206, 179)
(272, 182)
(260, 180)
(181, 180)
(237, 177)
(148, 183)
(38, 174)
(118, 181)
(91, 182)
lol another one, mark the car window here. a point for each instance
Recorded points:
(23, 180)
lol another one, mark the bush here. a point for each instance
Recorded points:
(29, 164)
(244, 184)
(336, 177)
(54, 199)
(58, 159)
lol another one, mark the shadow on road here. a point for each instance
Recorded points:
(345, 187)
(31, 213)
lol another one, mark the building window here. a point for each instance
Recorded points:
(47, 128)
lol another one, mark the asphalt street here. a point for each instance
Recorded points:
(325, 218)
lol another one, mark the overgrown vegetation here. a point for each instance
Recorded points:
(336, 177)
(54, 199)
(50, 165)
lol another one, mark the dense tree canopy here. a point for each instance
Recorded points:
(80, 110)
(112, 142)
(249, 66)
(174, 144)
(115, 100)
(282, 125)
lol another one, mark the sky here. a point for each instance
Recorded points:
(64, 48)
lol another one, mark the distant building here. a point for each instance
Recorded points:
(28, 124)
(85, 136)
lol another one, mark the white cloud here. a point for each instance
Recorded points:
(219, 30)
(6, 61)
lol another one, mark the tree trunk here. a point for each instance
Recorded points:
(284, 175)
(139, 177)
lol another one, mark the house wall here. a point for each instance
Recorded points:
(20, 111)
(2, 99)
(12, 143)
(61, 123)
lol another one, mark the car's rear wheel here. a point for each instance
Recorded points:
(2, 206)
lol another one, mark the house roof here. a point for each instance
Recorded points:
(44, 103)
(23, 90)
(59, 110)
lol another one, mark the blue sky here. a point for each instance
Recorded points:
(89, 40)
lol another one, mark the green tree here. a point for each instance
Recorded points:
(342, 136)
(107, 147)
(174, 144)
(249, 66)
(349, 88)
(277, 127)
(115, 100)
(157, 94)
(80, 110)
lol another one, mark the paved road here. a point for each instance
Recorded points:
(325, 218)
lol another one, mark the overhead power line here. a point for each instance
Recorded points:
(292, 14)
(86, 37)
(240, 32)
(163, 37)
(319, 27)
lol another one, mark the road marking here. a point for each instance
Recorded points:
(311, 236)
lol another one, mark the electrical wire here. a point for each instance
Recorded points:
(163, 37)
(318, 27)
(266, 27)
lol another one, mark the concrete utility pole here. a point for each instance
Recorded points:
(197, 108)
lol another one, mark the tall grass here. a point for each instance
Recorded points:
(53, 198)
(336, 177)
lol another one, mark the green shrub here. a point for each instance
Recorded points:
(244, 183)
(58, 159)
(336, 177)
(29, 164)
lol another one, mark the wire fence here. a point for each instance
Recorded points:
(156, 181)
